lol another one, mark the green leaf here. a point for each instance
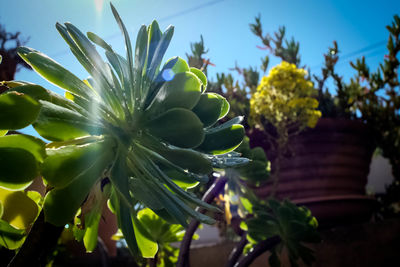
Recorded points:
(30, 143)
(180, 66)
(180, 179)
(223, 140)
(125, 224)
(141, 49)
(225, 108)
(65, 164)
(39, 93)
(142, 190)
(19, 209)
(154, 36)
(183, 91)
(120, 177)
(17, 151)
(99, 41)
(17, 111)
(10, 237)
(160, 49)
(60, 205)
(128, 45)
(179, 127)
(187, 159)
(208, 109)
(201, 76)
(54, 72)
(57, 123)
(92, 221)
(147, 246)
(3, 132)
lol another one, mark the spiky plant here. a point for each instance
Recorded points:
(146, 129)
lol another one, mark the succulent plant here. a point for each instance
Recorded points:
(147, 129)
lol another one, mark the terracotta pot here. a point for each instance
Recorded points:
(325, 167)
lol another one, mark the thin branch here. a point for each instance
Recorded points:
(237, 251)
(212, 192)
(259, 249)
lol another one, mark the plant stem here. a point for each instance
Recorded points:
(212, 192)
(259, 249)
(40, 242)
(237, 251)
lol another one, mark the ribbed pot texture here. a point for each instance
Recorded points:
(329, 163)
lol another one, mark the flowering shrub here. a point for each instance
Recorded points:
(284, 98)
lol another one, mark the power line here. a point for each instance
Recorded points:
(177, 14)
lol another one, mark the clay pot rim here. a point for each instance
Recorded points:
(336, 198)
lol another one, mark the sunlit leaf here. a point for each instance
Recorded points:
(17, 111)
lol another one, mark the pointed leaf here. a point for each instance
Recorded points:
(160, 50)
(57, 123)
(54, 72)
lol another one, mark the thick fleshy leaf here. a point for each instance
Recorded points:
(17, 111)
(187, 159)
(57, 123)
(183, 91)
(179, 127)
(180, 179)
(147, 246)
(159, 229)
(65, 164)
(17, 151)
(180, 65)
(225, 107)
(37, 92)
(61, 205)
(208, 109)
(54, 72)
(223, 140)
(201, 76)
(162, 77)
(10, 237)
(20, 210)
(30, 143)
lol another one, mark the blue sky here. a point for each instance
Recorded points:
(223, 24)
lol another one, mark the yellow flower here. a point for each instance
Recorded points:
(285, 97)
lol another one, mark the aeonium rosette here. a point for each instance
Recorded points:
(135, 133)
